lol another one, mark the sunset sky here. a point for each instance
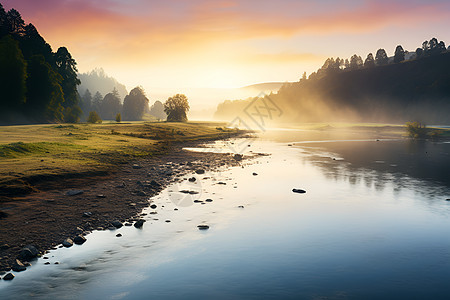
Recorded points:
(221, 44)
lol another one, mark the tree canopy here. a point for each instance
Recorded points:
(37, 84)
(135, 104)
(176, 108)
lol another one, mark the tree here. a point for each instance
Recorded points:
(399, 54)
(356, 62)
(176, 108)
(94, 118)
(369, 62)
(15, 23)
(381, 57)
(66, 67)
(86, 102)
(97, 101)
(157, 110)
(118, 118)
(110, 106)
(44, 92)
(3, 22)
(134, 104)
(13, 75)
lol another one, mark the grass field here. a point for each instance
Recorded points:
(35, 153)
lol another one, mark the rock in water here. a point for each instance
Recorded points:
(28, 253)
(67, 243)
(153, 206)
(255, 174)
(203, 227)
(300, 191)
(8, 276)
(192, 179)
(139, 223)
(74, 192)
(18, 266)
(79, 240)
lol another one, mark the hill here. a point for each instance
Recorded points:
(416, 89)
(98, 81)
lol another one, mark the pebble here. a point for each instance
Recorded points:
(67, 243)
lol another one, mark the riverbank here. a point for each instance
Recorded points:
(59, 181)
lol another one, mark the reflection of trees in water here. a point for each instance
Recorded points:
(417, 166)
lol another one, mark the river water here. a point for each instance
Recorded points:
(373, 224)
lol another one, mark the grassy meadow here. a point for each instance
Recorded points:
(34, 153)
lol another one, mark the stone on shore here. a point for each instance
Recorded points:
(18, 266)
(8, 276)
(79, 240)
(203, 227)
(136, 166)
(153, 206)
(116, 224)
(67, 243)
(28, 253)
(74, 192)
(139, 223)
(299, 191)
(192, 179)
(200, 171)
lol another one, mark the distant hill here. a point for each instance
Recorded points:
(395, 92)
(98, 81)
(265, 87)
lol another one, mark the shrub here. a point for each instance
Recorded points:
(416, 130)
(94, 118)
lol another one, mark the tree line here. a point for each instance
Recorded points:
(397, 89)
(428, 48)
(40, 86)
(37, 84)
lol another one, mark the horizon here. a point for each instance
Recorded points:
(226, 45)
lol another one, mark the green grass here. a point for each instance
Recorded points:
(32, 153)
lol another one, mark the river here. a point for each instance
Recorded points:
(373, 224)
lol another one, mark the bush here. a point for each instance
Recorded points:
(94, 118)
(118, 118)
(416, 130)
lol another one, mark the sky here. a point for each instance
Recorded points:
(169, 45)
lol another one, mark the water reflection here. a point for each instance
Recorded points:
(419, 166)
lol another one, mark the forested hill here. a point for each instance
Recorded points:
(36, 84)
(395, 90)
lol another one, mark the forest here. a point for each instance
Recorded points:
(42, 86)
(38, 85)
(405, 87)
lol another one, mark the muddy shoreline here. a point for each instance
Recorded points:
(45, 219)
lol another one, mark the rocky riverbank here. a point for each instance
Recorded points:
(73, 208)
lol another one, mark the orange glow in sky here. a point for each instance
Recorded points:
(228, 43)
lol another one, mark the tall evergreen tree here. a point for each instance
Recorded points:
(399, 54)
(381, 57)
(13, 75)
(44, 92)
